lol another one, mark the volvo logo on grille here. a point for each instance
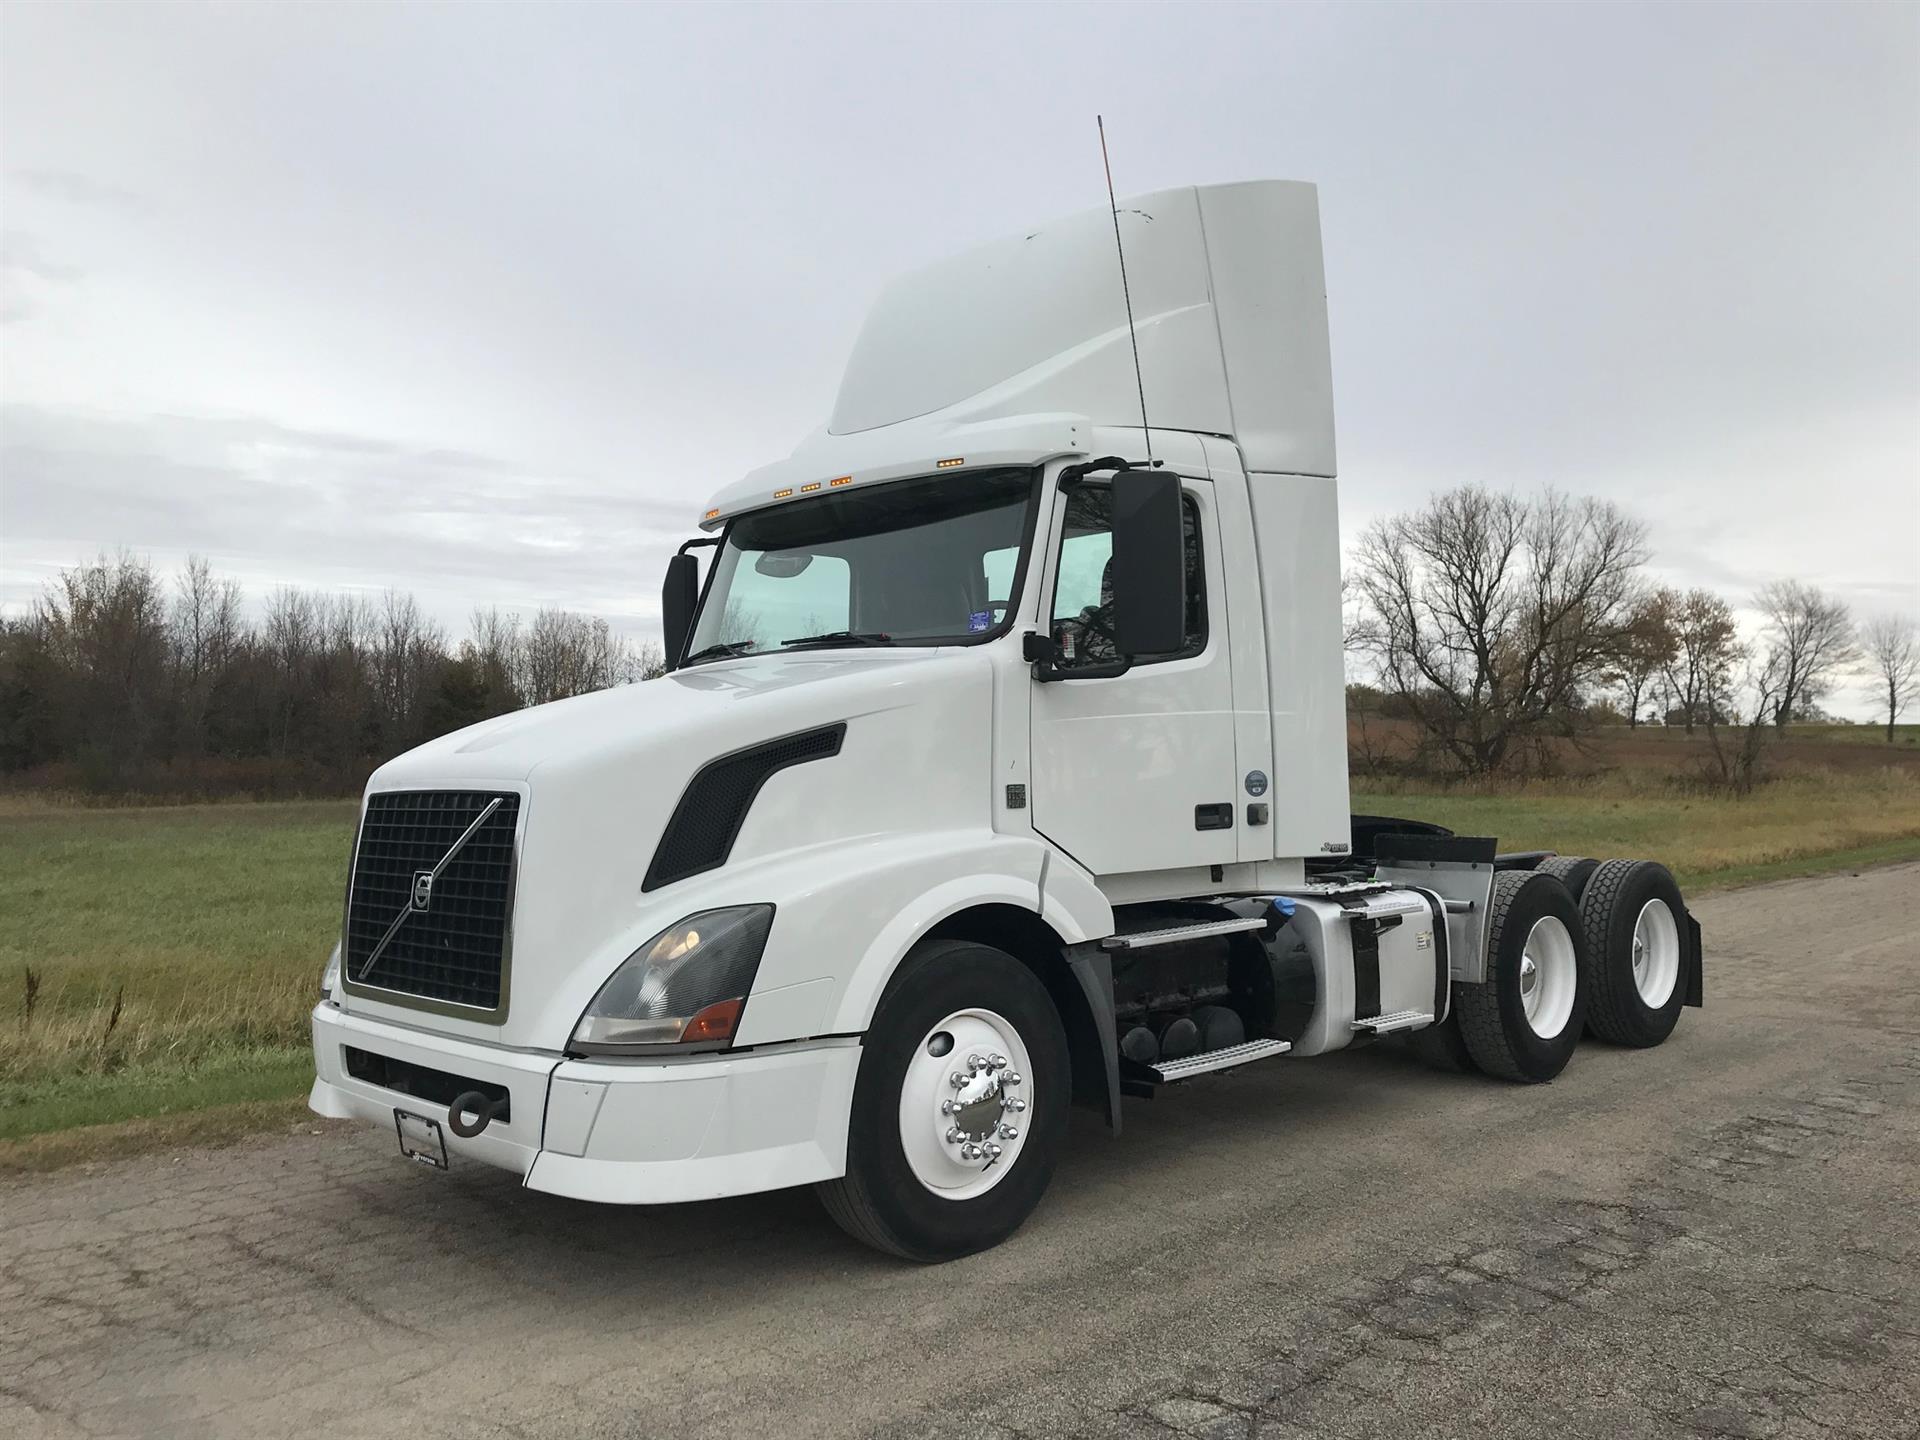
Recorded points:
(422, 889)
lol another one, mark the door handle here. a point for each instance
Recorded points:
(1213, 817)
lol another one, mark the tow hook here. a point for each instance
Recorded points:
(483, 1111)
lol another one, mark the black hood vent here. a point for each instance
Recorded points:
(701, 833)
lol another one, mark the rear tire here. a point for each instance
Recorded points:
(1635, 920)
(1524, 1021)
(1571, 871)
(910, 1190)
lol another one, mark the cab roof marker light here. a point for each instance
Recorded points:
(949, 464)
(713, 514)
(842, 480)
(783, 494)
(809, 489)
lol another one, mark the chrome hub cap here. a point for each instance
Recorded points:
(1656, 953)
(1549, 977)
(963, 1103)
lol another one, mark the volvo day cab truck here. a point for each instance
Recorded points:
(1001, 770)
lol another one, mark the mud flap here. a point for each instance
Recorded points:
(1695, 976)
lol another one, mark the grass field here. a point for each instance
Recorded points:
(157, 964)
(162, 960)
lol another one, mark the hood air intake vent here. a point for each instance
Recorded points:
(701, 833)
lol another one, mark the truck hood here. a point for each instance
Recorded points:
(601, 775)
(710, 709)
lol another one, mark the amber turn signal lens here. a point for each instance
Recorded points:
(715, 1022)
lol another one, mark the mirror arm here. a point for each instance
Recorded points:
(1044, 654)
(1075, 474)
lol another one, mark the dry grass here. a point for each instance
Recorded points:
(1705, 838)
(160, 959)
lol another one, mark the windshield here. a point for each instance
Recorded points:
(915, 562)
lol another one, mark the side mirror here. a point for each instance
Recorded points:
(679, 594)
(1149, 564)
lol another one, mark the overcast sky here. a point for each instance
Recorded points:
(483, 301)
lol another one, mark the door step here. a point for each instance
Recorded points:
(1387, 1024)
(1208, 1061)
(1179, 934)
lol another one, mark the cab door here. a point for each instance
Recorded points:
(1135, 772)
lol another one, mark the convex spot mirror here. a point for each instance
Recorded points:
(1149, 569)
(783, 564)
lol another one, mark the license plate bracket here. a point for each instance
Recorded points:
(421, 1138)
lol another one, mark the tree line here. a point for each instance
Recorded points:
(121, 679)
(1498, 624)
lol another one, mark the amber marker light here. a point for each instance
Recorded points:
(809, 489)
(783, 494)
(715, 1022)
(843, 480)
(949, 464)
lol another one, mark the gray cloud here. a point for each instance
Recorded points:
(274, 504)
(611, 257)
(74, 189)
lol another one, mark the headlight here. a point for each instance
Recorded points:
(330, 977)
(683, 987)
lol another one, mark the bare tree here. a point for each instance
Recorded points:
(1706, 649)
(1809, 637)
(105, 626)
(1893, 659)
(1644, 646)
(1489, 613)
(568, 654)
(207, 633)
(290, 640)
(1737, 746)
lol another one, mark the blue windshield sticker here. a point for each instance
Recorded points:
(979, 620)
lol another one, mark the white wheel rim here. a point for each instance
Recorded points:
(1656, 953)
(961, 1140)
(1549, 977)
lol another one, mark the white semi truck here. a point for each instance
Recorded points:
(1000, 770)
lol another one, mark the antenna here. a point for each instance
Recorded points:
(1132, 336)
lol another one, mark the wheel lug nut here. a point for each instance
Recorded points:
(997, 1061)
(1009, 1078)
(946, 1107)
(1008, 1132)
(1016, 1106)
(957, 1079)
(993, 1151)
(976, 1062)
(953, 1135)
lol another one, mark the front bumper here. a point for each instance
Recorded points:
(627, 1132)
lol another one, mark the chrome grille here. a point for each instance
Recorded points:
(443, 939)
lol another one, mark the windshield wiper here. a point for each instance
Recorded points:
(721, 651)
(840, 637)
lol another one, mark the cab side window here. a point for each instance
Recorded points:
(1082, 624)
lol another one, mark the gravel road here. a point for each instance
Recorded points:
(1718, 1237)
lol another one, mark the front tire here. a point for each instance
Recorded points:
(1634, 919)
(1523, 1022)
(932, 1170)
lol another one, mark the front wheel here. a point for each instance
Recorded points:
(959, 1106)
